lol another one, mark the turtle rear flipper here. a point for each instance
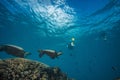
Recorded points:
(1, 48)
(41, 53)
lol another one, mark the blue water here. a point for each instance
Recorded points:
(51, 24)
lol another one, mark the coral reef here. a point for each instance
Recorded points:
(24, 69)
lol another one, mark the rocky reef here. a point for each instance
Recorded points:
(24, 69)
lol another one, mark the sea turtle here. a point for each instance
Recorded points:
(51, 53)
(14, 50)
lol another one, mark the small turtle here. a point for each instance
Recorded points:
(14, 50)
(51, 53)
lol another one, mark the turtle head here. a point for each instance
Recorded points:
(26, 54)
(59, 53)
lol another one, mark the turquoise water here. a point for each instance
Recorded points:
(51, 24)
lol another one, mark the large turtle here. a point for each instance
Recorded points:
(14, 50)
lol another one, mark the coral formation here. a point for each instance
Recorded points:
(24, 69)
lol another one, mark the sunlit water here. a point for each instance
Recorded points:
(51, 24)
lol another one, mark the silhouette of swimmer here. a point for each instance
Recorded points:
(71, 45)
(51, 53)
(14, 50)
(104, 35)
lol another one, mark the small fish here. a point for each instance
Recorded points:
(51, 53)
(14, 50)
(114, 68)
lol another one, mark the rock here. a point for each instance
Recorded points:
(24, 69)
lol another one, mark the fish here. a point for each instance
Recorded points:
(114, 68)
(51, 53)
(14, 50)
